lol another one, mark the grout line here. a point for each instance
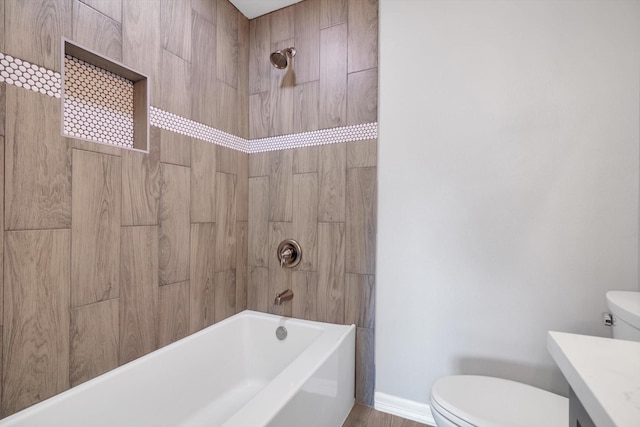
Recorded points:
(362, 167)
(365, 69)
(175, 164)
(71, 307)
(206, 222)
(35, 229)
(97, 11)
(89, 150)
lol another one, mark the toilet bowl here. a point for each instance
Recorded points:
(479, 401)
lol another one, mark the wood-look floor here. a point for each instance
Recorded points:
(364, 416)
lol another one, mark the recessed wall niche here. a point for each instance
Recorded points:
(103, 101)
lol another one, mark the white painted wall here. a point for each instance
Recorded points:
(508, 183)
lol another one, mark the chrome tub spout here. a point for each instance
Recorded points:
(283, 296)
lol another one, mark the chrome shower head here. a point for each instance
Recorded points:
(280, 58)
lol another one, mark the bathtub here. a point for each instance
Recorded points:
(236, 373)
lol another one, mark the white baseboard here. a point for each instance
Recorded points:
(409, 409)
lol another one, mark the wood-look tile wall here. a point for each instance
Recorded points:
(333, 79)
(325, 198)
(188, 46)
(123, 252)
(109, 253)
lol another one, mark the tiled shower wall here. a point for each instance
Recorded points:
(333, 79)
(325, 196)
(109, 253)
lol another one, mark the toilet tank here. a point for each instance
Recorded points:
(625, 308)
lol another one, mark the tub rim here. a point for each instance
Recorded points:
(330, 332)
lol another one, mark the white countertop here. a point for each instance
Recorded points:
(604, 373)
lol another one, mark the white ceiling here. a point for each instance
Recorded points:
(254, 8)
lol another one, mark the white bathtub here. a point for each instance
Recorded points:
(235, 373)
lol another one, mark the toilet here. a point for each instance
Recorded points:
(625, 313)
(481, 401)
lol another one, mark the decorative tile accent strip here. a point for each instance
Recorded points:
(174, 123)
(98, 104)
(99, 112)
(184, 126)
(30, 76)
(317, 137)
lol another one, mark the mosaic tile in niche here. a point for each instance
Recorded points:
(98, 104)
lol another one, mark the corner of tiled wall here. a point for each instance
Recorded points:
(2, 132)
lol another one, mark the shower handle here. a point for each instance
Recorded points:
(289, 253)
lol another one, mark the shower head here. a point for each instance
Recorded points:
(280, 58)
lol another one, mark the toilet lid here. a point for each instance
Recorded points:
(494, 402)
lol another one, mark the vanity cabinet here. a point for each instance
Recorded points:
(604, 376)
(578, 416)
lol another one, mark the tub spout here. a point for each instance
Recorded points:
(283, 296)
